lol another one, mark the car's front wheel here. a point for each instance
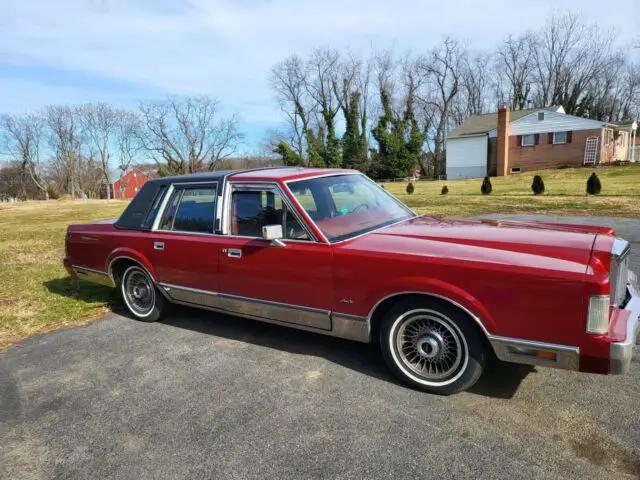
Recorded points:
(432, 346)
(140, 295)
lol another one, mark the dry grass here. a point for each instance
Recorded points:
(36, 293)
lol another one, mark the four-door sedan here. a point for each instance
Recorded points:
(329, 251)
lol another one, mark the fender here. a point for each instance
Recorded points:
(129, 253)
(436, 288)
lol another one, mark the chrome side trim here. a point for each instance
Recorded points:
(567, 357)
(192, 296)
(350, 327)
(427, 294)
(93, 276)
(290, 314)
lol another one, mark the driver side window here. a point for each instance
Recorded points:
(254, 208)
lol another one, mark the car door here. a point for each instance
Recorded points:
(184, 249)
(290, 283)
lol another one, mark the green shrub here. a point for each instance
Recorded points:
(410, 188)
(486, 187)
(593, 185)
(537, 187)
(444, 190)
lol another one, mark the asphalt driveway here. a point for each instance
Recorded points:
(209, 396)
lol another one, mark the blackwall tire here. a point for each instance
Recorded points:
(143, 300)
(432, 346)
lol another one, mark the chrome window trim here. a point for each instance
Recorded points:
(156, 222)
(260, 185)
(339, 174)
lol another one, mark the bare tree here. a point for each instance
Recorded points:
(100, 124)
(288, 79)
(66, 143)
(515, 68)
(22, 136)
(186, 134)
(127, 145)
(443, 68)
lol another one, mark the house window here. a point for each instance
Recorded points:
(540, 116)
(559, 138)
(515, 170)
(528, 140)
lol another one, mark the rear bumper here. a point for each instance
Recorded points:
(621, 352)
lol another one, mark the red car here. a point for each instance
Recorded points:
(329, 251)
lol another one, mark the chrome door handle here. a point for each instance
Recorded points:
(234, 253)
(158, 245)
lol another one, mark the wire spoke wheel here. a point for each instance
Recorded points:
(431, 346)
(139, 292)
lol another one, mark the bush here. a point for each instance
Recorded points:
(444, 190)
(486, 187)
(538, 185)
(410, 188)
(593, 185)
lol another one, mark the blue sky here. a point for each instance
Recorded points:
(122, 51)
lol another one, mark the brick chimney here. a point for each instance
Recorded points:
(503, 141)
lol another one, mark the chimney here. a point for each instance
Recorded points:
(503, 141)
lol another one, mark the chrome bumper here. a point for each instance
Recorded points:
(621, 353)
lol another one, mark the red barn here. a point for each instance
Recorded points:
(128, 185)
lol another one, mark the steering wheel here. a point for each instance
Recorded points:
(360, 207)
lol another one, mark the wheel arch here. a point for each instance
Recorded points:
(377, 312)
(125, 256)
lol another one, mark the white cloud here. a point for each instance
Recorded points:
(225, 48)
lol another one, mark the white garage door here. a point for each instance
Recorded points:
(467, 157)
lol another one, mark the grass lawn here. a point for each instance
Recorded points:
(37, 295)
(565, 194)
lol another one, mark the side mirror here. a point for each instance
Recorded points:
(273, 233)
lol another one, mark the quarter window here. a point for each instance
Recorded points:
(252, 209)
(191, 210)
(559, 138)
(528, 140)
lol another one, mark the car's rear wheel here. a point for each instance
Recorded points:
(140, 294)
(432, 346)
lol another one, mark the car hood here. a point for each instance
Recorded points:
(488, 240)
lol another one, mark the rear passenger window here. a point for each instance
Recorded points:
(155, 206)
(191, 210)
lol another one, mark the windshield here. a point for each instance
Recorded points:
(343, 206)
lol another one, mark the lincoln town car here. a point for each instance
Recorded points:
(329, 251)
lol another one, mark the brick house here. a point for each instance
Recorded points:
(505, 142)
(128, 185)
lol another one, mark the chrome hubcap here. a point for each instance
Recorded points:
(139, 292)
(430, 345)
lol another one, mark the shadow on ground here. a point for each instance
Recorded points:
(501, 380)
(85, 292)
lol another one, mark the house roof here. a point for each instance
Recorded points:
(482, 124)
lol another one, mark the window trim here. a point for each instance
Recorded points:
(566, 138)
(262, 186)
(533, 142)
(165, 202)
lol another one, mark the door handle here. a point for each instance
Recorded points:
(158, 245)
(234, 253)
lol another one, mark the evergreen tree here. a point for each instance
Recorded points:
(593, 185)
(315, 148)
(486, 187)
(444, 190)
(354, 151)
(289, 157)
(410, 188)
(538, 185)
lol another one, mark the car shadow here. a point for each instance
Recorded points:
(84, 291)
(500, 380)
